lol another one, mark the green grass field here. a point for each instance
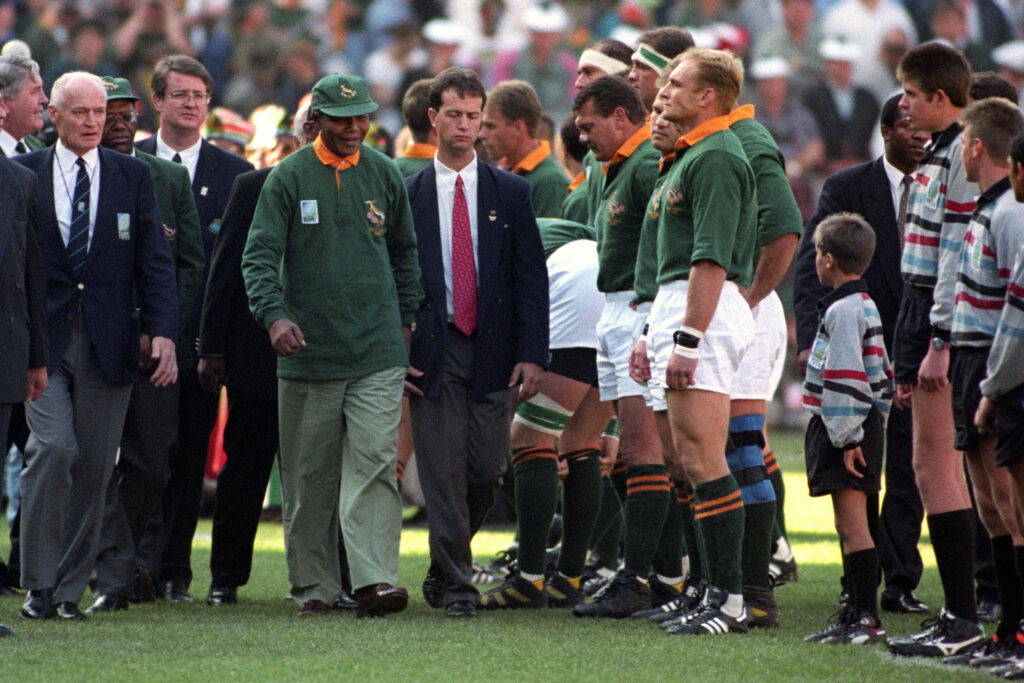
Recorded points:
(263, 638)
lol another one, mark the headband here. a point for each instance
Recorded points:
(609, 65)
(645, 54)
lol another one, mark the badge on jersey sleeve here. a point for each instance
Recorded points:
(933, 195)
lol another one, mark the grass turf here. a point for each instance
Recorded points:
(263, 638)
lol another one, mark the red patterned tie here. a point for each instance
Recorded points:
(463, 265)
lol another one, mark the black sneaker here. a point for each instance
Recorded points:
(515, 593)
(862, 631)
(941, 636)
(989, 611)
(623, 596)
(504, 562)
(710, 619)
(762, 610)
(592, 587)
(1009, 651)
(783, 571)
(836, 623)
(561, 592)
(662, 592)
(685, 606)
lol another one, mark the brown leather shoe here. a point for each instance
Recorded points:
(314, 608)
(379, 599)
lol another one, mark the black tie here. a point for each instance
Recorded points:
(78, 234)
(20, 148)
(901, 215)
(176, 158)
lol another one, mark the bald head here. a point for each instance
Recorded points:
(78, 108)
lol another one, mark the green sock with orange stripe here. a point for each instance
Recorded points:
(719, 515)
(771, 466)
(690, 537)
(648, 492)
(536, 478)
(581, 501)
(668, 560)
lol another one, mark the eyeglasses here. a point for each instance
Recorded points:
(128, 119)
(185, 96)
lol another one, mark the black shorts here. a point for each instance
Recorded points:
(966, 370)
(913, 332)
(578, 363)
(1010, 427)
(825, 470)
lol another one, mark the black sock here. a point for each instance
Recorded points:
(771, 466)
(952, 535)
(690, 538)
(861, 569)
(608, 529)
(1010, 595)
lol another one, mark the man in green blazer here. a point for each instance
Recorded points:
(151, 427)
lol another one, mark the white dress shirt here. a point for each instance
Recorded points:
(895, 176)
(8, 143)
(445, 203)
(65, 174)
(189, 155)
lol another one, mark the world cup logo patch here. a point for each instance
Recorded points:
(376, 218)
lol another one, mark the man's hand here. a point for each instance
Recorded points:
(680, 371)
(286, 337)
(608, 457)
(905, 394)
(639, 364)
(410, 388)
(211, 373)
(852, 458)
(563, 469)
(529, 374)
(983, 416)
(145, 351)
(934, 370)
(801, 361)
(37, 381)
(162, 351)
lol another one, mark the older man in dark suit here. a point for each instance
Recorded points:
(22, 293)
(481, 330)
(110, 278)
(181, 92)
(151, 426)
(878, 191)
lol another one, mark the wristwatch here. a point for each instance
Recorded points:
(939, 344)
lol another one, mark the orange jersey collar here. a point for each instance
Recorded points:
(329, 158)
(628, 147)
(533, 159)
(419, 150)
(715, 125)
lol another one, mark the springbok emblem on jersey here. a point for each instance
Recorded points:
(376, 218)
(615, 211)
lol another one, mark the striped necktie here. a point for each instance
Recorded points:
(20, 148)
(78, 234)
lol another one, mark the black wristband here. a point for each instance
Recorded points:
(685, 339)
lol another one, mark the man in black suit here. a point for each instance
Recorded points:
(22, 294)
(25, 101)
(481, 329)
(875, 190)
(181, 92)
(109, 280)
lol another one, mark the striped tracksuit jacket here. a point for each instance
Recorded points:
(939, 208)
(1006, 358)
(990, 246)
(848, 371)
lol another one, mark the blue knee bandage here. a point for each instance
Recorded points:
(746, 461)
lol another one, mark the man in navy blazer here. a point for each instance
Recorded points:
(181, 92)
(482, 329)
(873, 190)
(109, 280)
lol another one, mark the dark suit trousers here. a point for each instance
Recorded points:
(17, 434)
(250, 442)
(76, 429)
(461, 452)
(899, 524)
(133, 496)
(166, 548)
